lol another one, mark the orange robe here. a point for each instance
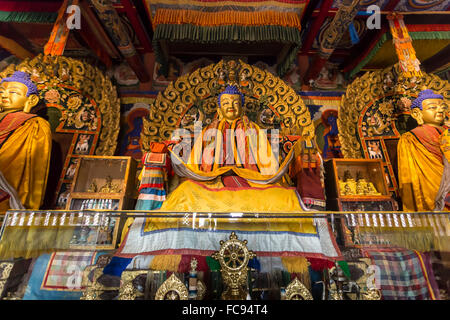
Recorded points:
(420, 168)
(240, 146)
(25, 147)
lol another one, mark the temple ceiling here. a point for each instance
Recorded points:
(276, 32)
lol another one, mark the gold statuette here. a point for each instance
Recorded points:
(233, 257)
(297, 291)
(172, 289)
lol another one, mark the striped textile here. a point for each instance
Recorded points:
(154, 174)
(403, 274)
(288, 241)
(295, 6)
(213, 21)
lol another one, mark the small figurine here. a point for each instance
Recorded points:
(347, 175)
(109, 187)
(93, 187)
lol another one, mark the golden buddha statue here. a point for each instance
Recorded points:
(233, 143)
(420, 159)
(25, 141)
(231, 154)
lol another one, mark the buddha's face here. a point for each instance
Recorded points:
(230, 106)
(432, 113)
(14, 97)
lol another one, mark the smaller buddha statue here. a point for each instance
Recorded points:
(371, 190)
(93, 187)
(351, 183)
(109, 187)
(345, 183)
(360, 184)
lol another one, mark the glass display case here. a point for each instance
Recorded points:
(104, 183)
(357, 185)
(70, 258)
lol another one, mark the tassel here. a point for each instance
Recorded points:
(169, 262)
(226, 17)
(295, 264)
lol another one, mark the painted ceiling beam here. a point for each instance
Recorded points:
(315, 28)
(24, 47)
(137, 25)
(437, 61)
(332, 37)
(332, 13)
(368, 44)
(96, 28)
(118, 33)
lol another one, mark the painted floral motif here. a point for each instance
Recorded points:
(52, 96)
(74, 102)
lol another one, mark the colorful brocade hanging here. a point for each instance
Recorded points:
(408, 61)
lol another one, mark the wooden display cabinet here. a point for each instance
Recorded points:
(104, 178)
(372, 171)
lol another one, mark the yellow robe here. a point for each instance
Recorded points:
(419, 173)
(25, 160)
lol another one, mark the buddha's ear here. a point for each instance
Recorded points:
(31, 102)
(219, 113)
(416, 113)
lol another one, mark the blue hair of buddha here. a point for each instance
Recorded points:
(424, 95)
(24, 78)
(232, 90)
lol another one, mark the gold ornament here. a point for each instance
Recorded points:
(233, 257)
(201, 290)
(127, 291)
(5, 268)
(297, 291)
(372, 294)
(172, 289)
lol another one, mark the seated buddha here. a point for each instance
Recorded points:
(232, 166)
(25, 141)
(420, 158)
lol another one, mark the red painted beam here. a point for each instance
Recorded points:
(137, 25)
(316, 26)
(96, 28)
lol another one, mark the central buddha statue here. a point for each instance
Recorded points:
(232, 166)
(25, 141)
(420, 157)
